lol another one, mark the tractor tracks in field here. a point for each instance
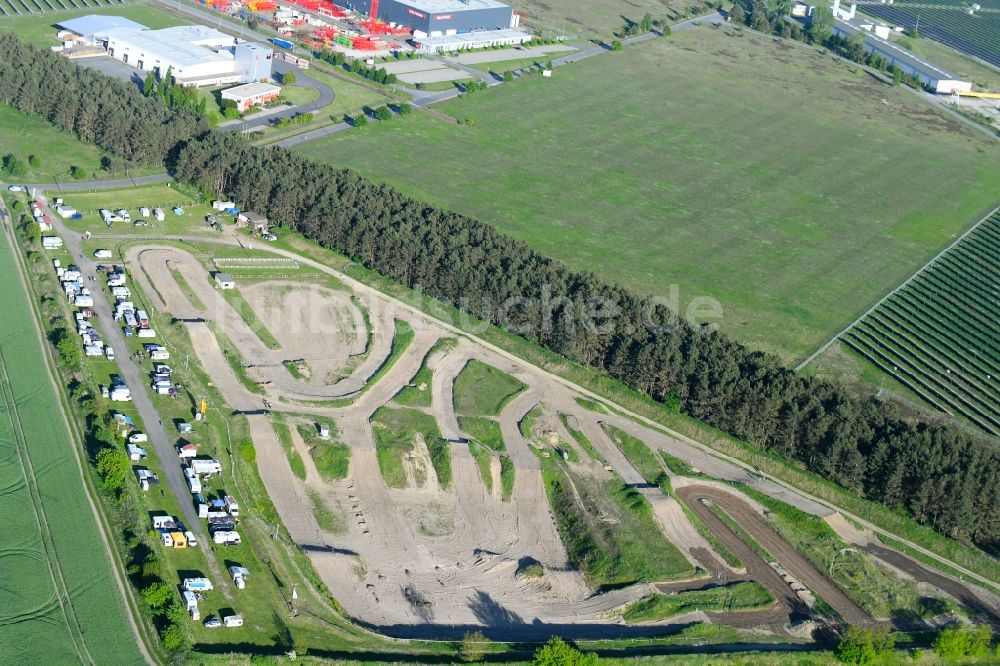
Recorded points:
(51, 558)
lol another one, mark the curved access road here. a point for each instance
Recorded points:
(325, 97)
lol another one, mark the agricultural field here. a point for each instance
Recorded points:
(794, 238)
(59, 591)
(39, 28)
(938, 335)
(597, 20)
(948, 22)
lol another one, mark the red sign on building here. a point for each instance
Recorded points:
(416, 13)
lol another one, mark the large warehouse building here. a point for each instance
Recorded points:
(194, 54)
(439, 16)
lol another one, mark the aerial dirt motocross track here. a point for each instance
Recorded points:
(424, 560)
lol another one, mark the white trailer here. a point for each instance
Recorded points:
(233, 621)
(191, 602)
(120, 394)
(227, 538)
(197, 584)
(203, 466)
(193, 481)
(240, 576)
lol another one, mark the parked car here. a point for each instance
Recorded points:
(269, 236)
(103, 254)
(17, 188)
(128, 331)
(213, 623)
(141, 223)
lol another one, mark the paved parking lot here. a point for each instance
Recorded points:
(107, 65)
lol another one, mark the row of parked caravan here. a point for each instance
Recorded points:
(222, 514)
(109, 217)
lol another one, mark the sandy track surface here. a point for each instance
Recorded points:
(310, 332)
(414, 560)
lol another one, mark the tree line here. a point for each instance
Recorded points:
(935, 472)
(771, 17)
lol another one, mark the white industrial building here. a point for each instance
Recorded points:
(477, 39)
(195, 55)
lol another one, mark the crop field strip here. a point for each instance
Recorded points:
(59, 587)
(947, 21)
(938, 335)
(65, 597)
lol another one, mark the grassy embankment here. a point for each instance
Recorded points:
(744, 596)
(481, 392)
(397, 431)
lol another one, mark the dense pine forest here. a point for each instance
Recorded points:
(938, 473)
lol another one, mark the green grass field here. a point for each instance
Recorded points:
(485, 431)
(641, 457)
(23, 135)
(747, 595)
(482, 390)
(418, 392)
(593, 19)
(40, 29)
(720, 164)
(60, 603)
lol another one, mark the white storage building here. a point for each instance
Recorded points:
(478, 39)
(195, 55)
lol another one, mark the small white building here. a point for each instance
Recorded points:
(252, 94)
(225, 280)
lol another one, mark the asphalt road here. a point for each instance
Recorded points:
(325, 97)
(95, 185)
